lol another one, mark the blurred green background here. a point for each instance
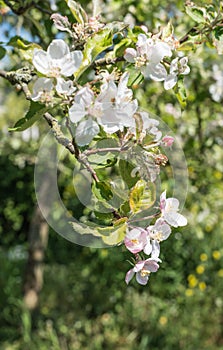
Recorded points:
(83, 302)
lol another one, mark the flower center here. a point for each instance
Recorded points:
(134, 241)
(144, 273)
(54, 72)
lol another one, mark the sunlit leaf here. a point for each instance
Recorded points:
(113, 235)
(197, 14)
(35, 112)
(25, 47)
(125, 169)
(142, 196)
(77, 11)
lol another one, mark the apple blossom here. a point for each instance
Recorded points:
(57, 60)
(142, 269)
(169, 211)
(135, 240)
(43, 90)
(167, 141)
(178, 66)
(147, 56)
(117, 105)
(156, 234)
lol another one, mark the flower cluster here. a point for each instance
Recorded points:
(106, 105)
(113, 109)
(148, 56)
(148, 240)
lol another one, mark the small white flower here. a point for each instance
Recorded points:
(177, 67)
(117, 106)
(169, 208)
(57, 60)
(43, 90)
(65, 87)
(148, 55)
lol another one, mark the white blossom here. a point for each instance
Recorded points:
(57, 60)
(169, 211)
(178, 66)
(43, 90)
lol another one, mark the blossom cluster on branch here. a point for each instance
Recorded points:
(86, 83)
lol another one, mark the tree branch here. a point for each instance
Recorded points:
(71, 146)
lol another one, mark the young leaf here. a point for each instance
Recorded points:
(102, 190)
(181, 93)
(113, 235)
(142, 196)
(77, 11)
(196, 13)
(25, 47)
(2, 52)
(98, 43)
(36, 110)
(125, 169)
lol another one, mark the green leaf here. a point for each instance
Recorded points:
(102, 190)
(181, 93)
(36, 110)
(2, 52)
(25, 47)
(77, 11)
(196, 13)
(98, 43)
(84, 229)
(113, 235)
(167, 31)
(105, 218)
(142, 196)
(218, 41)
(125, 169)
(135, 76)
(120, 48)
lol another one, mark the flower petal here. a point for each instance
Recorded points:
(77, 112)
(142, 279)
(86, 131)
(129, 276)
(57, 49)
(170, 81)
(40, 61)
(71, 63)
(130, 55)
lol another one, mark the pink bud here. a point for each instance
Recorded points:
(168, 141)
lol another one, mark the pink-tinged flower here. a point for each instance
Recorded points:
(142, 269)
(167, 141)
(169, 209)
(135, 240)
(156, 234)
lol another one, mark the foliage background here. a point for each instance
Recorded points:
(84, 303)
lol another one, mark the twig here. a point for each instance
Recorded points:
(101, 150)
(71, 146)
(106, 61)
